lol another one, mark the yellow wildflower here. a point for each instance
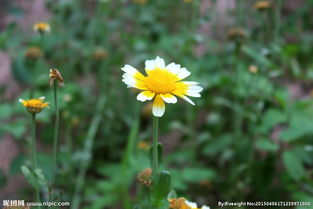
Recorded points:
(55, 75)
(161, 83)
(33, 53)
(187, 1)
(182, 203)
(262, 5)
(34, 105)
(253, 69)
(42, 27)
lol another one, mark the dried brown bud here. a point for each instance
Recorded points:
(145, 176)
(100, 54)
(55, 75)
(33, 53)
(236, 34)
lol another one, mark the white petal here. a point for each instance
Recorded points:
(188, 100)
(191, 204)
(205, 207)
(21, 100)
(158, 107)
(42, 98)
(173, 68)
(154, 64)
(160, 62)
(168, 98)
(129, 80)
(193, 94)
(145, 95)
(130, 70)
(195, 88)
(183, 73)
(150, 64)
(191, 82)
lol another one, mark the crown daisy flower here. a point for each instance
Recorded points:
(162, 83)
(42, 27)
(34, 105)
(182, 203)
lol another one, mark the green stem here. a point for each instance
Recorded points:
(155, 163)
(87, 150)
(277, 20)
(56, 132)
(128, 157)
(34, 154)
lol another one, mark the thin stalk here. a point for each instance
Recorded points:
(277, 20)
(155, 163)
(34, 154)
(87, 150)
(128, 157)
(238, 120)
(56, 132)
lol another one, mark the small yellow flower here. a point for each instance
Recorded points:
(34, 105)
(42, 27)
(55, 75)
(182, 203)
(253, 69)
(262, 5)
(33, 53)
(161, 83)
(187, 1)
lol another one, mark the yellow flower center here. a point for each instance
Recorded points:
(179, 203)
(160, 81)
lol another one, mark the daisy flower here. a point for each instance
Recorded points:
(162, 83)
(34, 105)
(182, 203)
(42, 27)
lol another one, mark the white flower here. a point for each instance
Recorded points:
(162, 83)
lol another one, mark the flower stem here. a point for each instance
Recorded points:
(94, 125)
(155, 163)
(56, 132)
(34, 154)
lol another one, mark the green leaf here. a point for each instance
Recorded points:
(161, 187)
(194, 175)
(16, 128)
(293, 165)
(218, 145)
(29, 176)
(266, 145)
(271, 118)
(300, 126)
(6, 111)
(303, 197)
(16, 164)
